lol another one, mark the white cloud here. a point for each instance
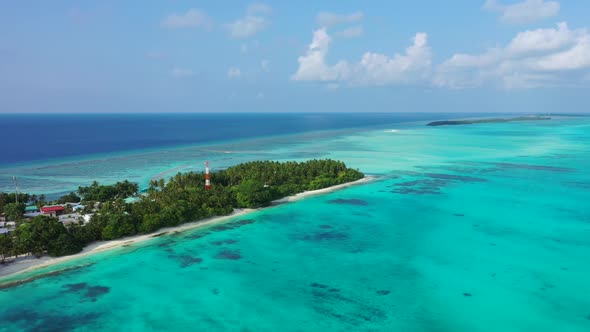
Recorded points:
(260, 95)
(313, 67)
(542, 57)
(542, 40)
(247, 26)
(193, 18)
(551, 57)
(264, 64)
(326, 19)
(524, 12)
(182, 72)
(351, 32)
(233, 73)
(575, 58)
(256, 20)
(373, 69)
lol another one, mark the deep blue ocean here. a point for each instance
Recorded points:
(42, 137)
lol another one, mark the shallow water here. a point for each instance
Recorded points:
(469, 228)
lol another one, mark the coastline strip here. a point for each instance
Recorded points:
(29, 264)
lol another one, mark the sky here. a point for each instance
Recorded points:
(61, 56)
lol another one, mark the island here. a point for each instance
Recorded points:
(492, 120)
(107, 212)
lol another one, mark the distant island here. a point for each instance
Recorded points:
(108, 212)
(492, 120)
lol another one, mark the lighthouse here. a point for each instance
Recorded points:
(207, 181)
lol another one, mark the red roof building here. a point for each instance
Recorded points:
(53, 210)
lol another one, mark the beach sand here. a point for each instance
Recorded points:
(30, 263)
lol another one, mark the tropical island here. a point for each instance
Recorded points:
(492, 120)
(108, 212)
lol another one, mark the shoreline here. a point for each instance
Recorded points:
(30, 263)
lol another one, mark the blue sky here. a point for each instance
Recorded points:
(292, 56)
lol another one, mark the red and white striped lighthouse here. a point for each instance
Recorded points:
(207, 181)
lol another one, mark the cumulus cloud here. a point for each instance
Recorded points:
(327, 19)
(542, 57)
(351, 32)
(193, 18)
(256, 20)
(233, 73)
(182, 72)
(524, 12)
(264, 65)
(412, 67)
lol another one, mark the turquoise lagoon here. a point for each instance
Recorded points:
(466, 228)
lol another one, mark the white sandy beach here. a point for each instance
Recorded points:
(30, 263)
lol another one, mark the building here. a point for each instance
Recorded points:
(55, 210)
(31, 209)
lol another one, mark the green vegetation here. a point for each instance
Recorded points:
(69, 198)
(6, 198)
(96, 192)
(182, 199)
(14, 211)
(494, 120)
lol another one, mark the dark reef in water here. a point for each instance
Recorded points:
(467, 294)
(508, 166)
(222, 242)
(433, 183)
(75, 287)
(185, 260)
(330, 302)
(493, 120)
(460, 178)
(352, 201)
(383, 292)
(35, 320)
(92, 293)
(232, 225)
(420, 187)
(166, 244)
(229, 254)
(188, 260)
(458, 214)
(197, 236)
(328, 235)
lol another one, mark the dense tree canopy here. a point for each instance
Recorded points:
(7, 198)
(100, 193)
(6, 247)
(69, 198)
(45, 234)
(14, 211)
